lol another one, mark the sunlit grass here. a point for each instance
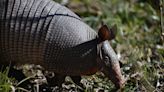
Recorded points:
(5, 82)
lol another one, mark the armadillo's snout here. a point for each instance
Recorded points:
(111, 66)
(114, 74)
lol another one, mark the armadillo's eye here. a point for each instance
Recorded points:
(106, 61)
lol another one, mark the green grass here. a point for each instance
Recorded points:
(10, 84)
(5, 82)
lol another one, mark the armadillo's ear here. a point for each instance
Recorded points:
(106, 33)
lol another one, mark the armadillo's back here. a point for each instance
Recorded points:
(44, 32)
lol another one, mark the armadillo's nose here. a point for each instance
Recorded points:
(114, 74)
(117, 77)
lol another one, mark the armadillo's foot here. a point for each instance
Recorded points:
(55, 79)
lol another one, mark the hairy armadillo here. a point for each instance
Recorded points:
(46, 33)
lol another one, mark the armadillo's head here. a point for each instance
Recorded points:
(108, 58)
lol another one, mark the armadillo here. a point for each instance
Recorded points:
(45, 33)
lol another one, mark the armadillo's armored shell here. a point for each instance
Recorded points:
(44, 32)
